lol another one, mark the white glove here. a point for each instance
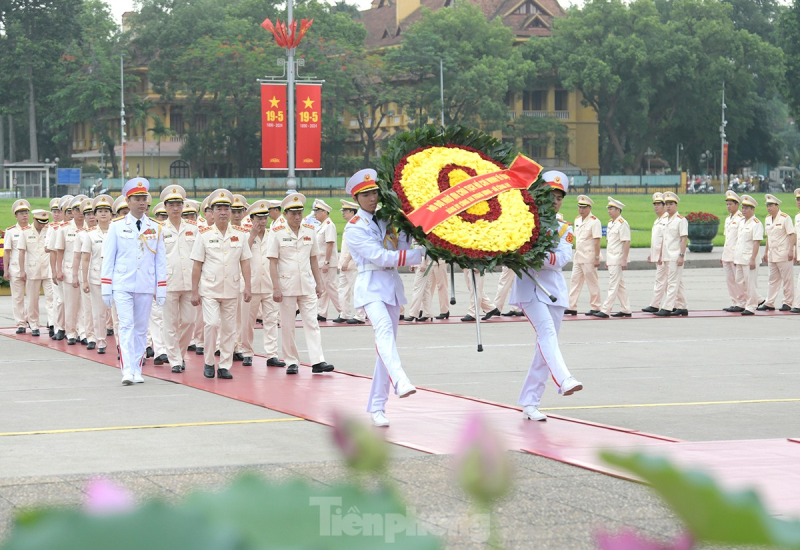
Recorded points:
(160, 301)
(108, 300)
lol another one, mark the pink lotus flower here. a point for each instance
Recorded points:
(104, 497)
(482, 464)
(628, 539)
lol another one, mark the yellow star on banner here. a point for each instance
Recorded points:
(309, 103)
(274, 102)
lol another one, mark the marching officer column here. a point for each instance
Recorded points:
(221, 259)
(779, 255)
(179, 314)
(58, 278)
(91, 267)
(21, 209)
(134, 270)
(34, 264)
(89, 338)
(67, 243)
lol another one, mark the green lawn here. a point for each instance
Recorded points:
(638, 211)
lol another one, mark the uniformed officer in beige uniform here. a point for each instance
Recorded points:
(656, 241)
(178, 312)
(732, 222)
(92, 266)
(328, 260)
(241, 222)
(156, 346)
(67, 243)
(50, 247)
(34, 262)
(588, 231)
(222, 259)
(13, 236)
(779, 255)
(275, 215)
(348, 274)
(88, 337)
(420, 304)
(262, 301)
(673, 253)
(504, 285)
(58, 218)
(746, 258)
(486, 304)
(618, 246)
(293, 251)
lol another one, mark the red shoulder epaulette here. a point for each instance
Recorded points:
(308, 225)
(26, 228)
(784, 214)
(239, 228)
(11, 227)
(191, 222)
(593, 217)
(354, 219)
(681, 217)
(277, 228)
(204, 229)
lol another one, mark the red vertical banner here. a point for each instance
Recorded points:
(309, 127)
(724, 158)
(274, 150)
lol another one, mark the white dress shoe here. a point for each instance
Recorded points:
(405, 388)
(127, 382)
(570, 386)
(532, 413)
(138, 380)
(379, 419)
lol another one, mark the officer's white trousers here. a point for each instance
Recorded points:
(155, 330)
(330, 294)
(388, 370)
(347, 283)
(133, 312)
(504, 288)
(546, 321)
(99, 315)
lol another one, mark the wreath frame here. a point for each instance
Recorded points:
(405, 143)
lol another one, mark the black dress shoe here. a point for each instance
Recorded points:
(71, 342)
(467, 318)
(408, 319)
(177, 369)
(183, 366)
(216, 353)
(765, 308)
(60, 335)
(507, 314)
(84, 342)
(354, 322)
(570, 312)
(247, 362)
(225, 374)
(445, 315)
(747, 312)
(238, 357)
(35, 332)
(191, 348)
(208, 371)
(109, 332)
(101, 351)
(663, 313)
(291, 369)
(160, 360)
(260, 321)
(680, 313)
(321, 367)
(519, 313)
(149, 353)
(601, 315)
(339, 321)
(51, 331)
(591, 312)
(423, 319)
(650, 309)
(275, 362)
(795, 310)
(198, 350)
(785, 307)
(735, 309)
(322, 319)
(91, 345)
(20, 330)
(401, 316)
(621, 314)
(491, 314)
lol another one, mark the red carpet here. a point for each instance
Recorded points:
(431, 421)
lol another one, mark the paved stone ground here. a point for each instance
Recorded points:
(693, 379)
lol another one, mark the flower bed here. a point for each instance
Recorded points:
(701, 217)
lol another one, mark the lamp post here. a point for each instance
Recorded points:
(151, 152)
(122, 117)
(678, 150)
(722, 140)
(649, 154)
(705, 157)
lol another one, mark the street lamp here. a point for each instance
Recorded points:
(704, 157)
(678, 150)
(649, 154)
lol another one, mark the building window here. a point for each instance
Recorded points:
(534, 100)
(562, 97)
(511, 99)
(528, 8)
(534, 148)
(179, 169)
(200, 123)
(176, 123)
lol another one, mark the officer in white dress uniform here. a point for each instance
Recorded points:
(656, 240)
(13, 236)
(328, 260)
(673, 252)
(34, 264)
(377, 251)
(348, 274)
(546, 316)
(779, 255)
(732, 222)
(617, 249)
(67, 243)
(134, 270)
(748, 243)
(91, 266)
(62, 221)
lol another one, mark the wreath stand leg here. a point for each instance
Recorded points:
(477, 309)
(452, 285)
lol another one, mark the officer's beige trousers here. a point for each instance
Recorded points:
(220, 318)
(504, 287)
(155, 330)
(32, 288)
(198, 338)
(72, 308)
(735, 290)
(421, 293)
(308, 313)
(660, 285)
(675, 296)
(330, 292)
(87, 317)
(99, 314)
(440, 286)
(179, 315)
(240, 312)
(347, 283)
(780, 274)
(58, 294)
(748, 279)
(18, 301)
(584, 273)
(485, 303)
(266, 306)
(616, 290)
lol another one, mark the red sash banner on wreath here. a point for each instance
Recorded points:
(520, 175)
(274, 155)
(309, 127)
